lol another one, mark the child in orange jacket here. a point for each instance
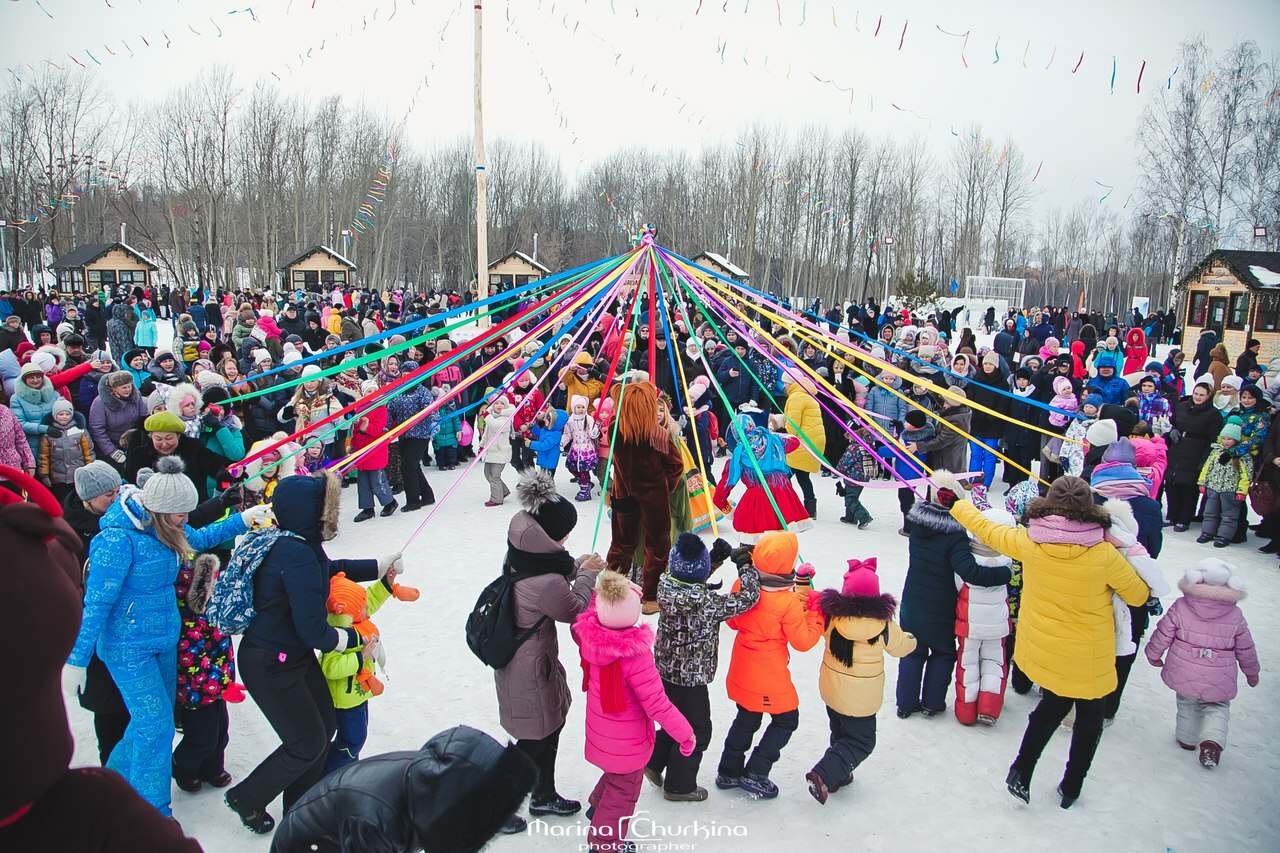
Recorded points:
(759, 681)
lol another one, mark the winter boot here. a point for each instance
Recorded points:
(760, 786)
(1068, 797)
(817, 788)
(363, 515)
(811, 507)
(514, 825)
(1018, 784)
(654, 777)
(258, 822)
(1210, 754)
(556, 805)
(697, 795)
(584, 492)
(728, 783)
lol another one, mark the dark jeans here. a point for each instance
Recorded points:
(199, 755)
(353, 730)
(109, 728)
(1085, 734)
(1182, 499)
(767, 752)
(416, 488)
(681, 772)
(294, 697)
(852, 740)
(542, 752)
(806, 485)
(924, 677)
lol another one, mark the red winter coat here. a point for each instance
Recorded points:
(1135, 351)
(375, 424)
(527, 404)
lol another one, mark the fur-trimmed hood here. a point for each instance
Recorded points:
(308, 506)
(204, 570)
(601, 646)
(253, 469)
(934, 518)
(1211, 592)
(1092, 514)
(836, 606)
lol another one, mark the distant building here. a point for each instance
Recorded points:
(722, 266)
(515, 269)
(318, 268)
(1237, 293)
(103, 266)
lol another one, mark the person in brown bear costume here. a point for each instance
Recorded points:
(46, 806)
(646, 467)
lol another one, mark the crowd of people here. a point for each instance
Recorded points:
(198, 477)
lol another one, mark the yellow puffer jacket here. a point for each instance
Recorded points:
(855, 686)
(1066, 636)
(804, 416)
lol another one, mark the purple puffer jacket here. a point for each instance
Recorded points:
(1206, 637)
(622, 742)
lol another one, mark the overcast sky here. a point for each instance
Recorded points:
(622, 73)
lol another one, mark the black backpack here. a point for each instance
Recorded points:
(491, 624)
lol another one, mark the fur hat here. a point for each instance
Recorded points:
(169, 489)
(555, 515)
(689, 560)
(1214, 572)
(1069, 497)
(1101, 433)
(179, 395)
(253, 469)
(861, 579)
(617, 601)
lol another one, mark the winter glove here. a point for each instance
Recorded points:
(405, 593)
(1251, 680)
(259, 515)
(687, 748)
(117, 456)
(720, 551)
(211, 422)
(55, 431)
(741, 555)
(287, 413)
(1173, 436)
(231, 498)
(1154, 607)
(73, 679)
(897, 426)
(592, 563)
(389, 561)
(945, 481)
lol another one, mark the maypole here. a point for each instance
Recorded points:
(482, 210)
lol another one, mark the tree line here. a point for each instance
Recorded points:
(219, 182)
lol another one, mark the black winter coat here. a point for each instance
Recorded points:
(981, 391)
(292, 584)
(1199, 424)
(939, 550)
(454, 793)
(1021, 411)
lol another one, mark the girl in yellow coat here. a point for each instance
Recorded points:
(1066, 636)
(859, 630)
(804, 421)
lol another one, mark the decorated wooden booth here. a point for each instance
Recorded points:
(1238, 294)
(318, 268)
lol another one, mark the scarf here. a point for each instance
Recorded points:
(1056, 530)
(558, 562)
(1123, 489)
(762, 445)
(768, 581)
(613, 699)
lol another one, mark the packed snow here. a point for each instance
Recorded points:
(930, 782)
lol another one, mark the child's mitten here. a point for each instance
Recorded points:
(234, 692)
(687, 748)
(405, 593)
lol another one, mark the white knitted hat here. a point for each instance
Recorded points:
(169, 489)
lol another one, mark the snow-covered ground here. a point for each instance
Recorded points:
(930, 784)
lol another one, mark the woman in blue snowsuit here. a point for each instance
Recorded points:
(131, 615)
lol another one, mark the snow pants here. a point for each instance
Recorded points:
(852, 740)
(923, 678)
(982, 458)
(205, 735)
(348, 740)
(981, 674)
(614, 801)
(1221, 515)
(1199, 721)
(734, 762)
(148, 682)
(694, 702)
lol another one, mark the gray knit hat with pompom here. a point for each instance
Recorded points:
(169, 489)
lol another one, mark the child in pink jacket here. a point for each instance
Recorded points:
(1207, 638)
(624, 697)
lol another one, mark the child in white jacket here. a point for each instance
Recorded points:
(494, 443)
(982, 624)
(1124, 535)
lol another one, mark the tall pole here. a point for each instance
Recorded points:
(482, 209)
